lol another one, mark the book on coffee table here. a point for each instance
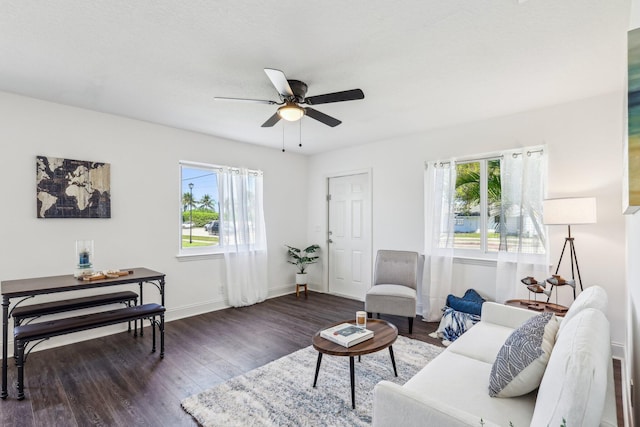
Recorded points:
(346, 334)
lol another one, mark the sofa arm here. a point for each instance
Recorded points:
(394, 406)
(505, 315)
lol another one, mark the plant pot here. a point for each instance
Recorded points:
(301, 278)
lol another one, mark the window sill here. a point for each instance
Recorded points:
(484, 262)
(198, 257)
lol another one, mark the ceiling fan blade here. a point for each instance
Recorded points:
(279, 81)
(345, 95)
(271, 121)
(258, 101)
(322, 117)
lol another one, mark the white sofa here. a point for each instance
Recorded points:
(452, 390)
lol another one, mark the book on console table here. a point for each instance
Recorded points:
(346, 334)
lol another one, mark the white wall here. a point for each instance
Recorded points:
(143, 229)
(584, 147)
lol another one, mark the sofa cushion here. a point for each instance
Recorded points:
(592, 297)
(505, 315)
(462, 382)
(482, 342)
(520, 364)
(574, 385)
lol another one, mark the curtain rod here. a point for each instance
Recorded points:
(218, 168)
(529, 153)
(501, 156)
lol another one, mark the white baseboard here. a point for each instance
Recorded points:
(625, 384)
(348, 297)
(282, 290)
(291, 288)
(617, 350)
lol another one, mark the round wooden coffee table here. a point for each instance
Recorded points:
(384, 335)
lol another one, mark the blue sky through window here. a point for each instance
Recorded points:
(204, 182)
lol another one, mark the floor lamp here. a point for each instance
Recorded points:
(569, 211)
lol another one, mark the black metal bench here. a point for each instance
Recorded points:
(41, 331)
(34, 311)
(21, 313)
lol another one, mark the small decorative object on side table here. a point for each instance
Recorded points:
(537, 287)
(557, 280)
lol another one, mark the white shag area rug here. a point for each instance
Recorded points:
(281, 393)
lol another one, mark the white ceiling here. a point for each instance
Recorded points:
(421, 63)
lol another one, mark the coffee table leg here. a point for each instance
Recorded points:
(393, 360)
(353, 388)
(315, 380)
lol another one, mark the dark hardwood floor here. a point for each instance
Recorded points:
(115, 380)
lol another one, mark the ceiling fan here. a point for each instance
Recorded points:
(292, 95)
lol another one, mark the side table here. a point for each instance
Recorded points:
(540, 306)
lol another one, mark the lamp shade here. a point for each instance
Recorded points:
(569, 211)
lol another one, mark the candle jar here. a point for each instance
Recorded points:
(84, 258)
(361, 319)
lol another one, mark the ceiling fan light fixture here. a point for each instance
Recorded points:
(290, 112)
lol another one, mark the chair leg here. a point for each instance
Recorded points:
(410, 325)
(369, 315)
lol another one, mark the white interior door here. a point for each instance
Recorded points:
(349, 235)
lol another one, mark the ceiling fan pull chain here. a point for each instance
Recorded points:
(283, 137)
(300, 138)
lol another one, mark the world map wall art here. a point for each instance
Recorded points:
(72, 188)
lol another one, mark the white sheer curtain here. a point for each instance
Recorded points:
(522, 250)
(243, 235)
(440, 188)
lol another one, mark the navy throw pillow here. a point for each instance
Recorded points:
(470, 303)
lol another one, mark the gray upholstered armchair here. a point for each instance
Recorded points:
(395, 282)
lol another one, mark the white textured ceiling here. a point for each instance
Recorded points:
(421, 63)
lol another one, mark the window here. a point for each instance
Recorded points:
(199, 208)
(487, 207)
(477, 205)
(220, 209)
(491, 210)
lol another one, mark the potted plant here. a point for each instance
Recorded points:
(301, 258)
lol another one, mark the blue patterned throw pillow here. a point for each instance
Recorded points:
(521, 361)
